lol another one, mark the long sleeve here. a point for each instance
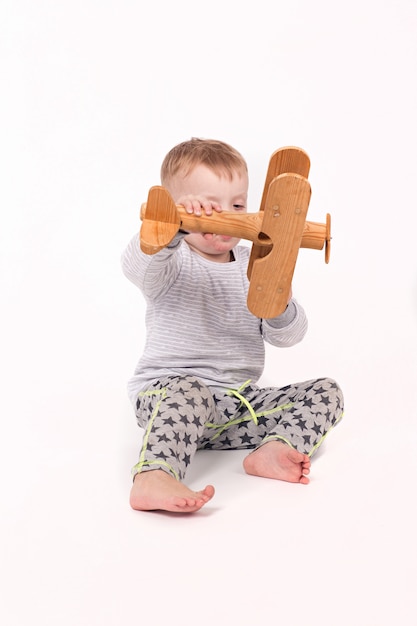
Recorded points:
(153, 274)
(287, 329)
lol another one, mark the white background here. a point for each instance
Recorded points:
(94, 93)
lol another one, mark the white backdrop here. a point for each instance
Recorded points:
(94, 93)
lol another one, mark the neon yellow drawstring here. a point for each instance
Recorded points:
(235, 392)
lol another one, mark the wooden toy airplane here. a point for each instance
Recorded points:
(277, 231)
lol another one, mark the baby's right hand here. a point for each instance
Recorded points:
(198, 205)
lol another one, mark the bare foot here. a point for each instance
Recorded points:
(157, 490)
(276, 459)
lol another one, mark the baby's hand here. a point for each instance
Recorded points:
(198, 205)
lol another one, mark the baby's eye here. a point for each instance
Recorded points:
(239, 207)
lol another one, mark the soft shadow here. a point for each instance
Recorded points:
(205, 512)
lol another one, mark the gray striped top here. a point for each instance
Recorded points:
(197, 321)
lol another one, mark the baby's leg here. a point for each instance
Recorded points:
(308, 411)
(173, 413)
(312, 409)
(158, 490)
(284, 425)
(276, 459)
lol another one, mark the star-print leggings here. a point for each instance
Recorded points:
(180, 415)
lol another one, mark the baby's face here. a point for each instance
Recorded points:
(231, 195)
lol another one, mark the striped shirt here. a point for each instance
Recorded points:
(197, 320)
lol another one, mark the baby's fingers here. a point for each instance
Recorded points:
(198, 206)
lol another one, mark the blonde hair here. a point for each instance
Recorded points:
(216, 155)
